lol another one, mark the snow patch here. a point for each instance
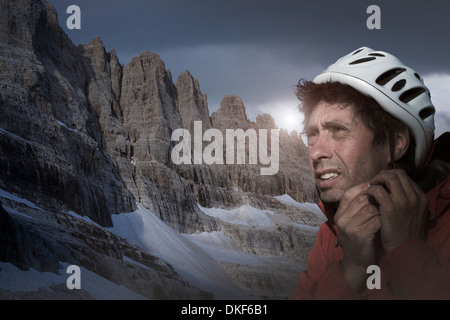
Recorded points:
(13, 211)
(14, 280)
(193, 263)
(222, 248)
(308, 206)
(244, 215)
(86, 219)
(62, 124)
(10, 196)
(195, 257)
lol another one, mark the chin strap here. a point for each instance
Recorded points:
(392, 148)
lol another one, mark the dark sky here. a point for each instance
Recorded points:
(259, 49)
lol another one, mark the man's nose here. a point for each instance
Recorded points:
(321, 148)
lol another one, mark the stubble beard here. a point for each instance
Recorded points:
(332, 196)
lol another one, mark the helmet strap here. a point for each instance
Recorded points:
(392, 148)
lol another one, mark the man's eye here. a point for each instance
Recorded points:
(308, 134)
(311, 137)
(337, 128)
(339, 132)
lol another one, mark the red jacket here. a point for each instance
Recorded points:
(418, 269)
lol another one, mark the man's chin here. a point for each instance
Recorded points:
(329, 198)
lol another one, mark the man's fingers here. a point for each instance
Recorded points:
(359, 217)
(368, 214)
(381, 196)
(352, 193)
(397, 185)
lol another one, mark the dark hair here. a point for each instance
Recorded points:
(366, 108)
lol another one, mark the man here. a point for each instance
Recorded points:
(383, 183)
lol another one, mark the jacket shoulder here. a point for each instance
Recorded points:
(440, 148)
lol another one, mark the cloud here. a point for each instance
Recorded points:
(261, 76)
(258, 49)
(324, 29)
(439, 86)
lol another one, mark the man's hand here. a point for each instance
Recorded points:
(402, 206)
(358, 222)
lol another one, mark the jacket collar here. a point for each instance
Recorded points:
(327, 211)
(329, 214)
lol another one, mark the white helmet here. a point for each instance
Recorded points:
(397, 88)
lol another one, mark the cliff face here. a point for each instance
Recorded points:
(52, 141)
(80, 132)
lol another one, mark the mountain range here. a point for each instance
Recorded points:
(87, 178)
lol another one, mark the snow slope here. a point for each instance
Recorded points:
(196, 257)
(244, 215)
(15, 280)
(192, 262)
(308, 206)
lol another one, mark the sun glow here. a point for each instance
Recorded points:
(287, 117)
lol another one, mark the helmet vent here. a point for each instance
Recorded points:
(398, 85)
(389, 75)
(376, 54)
(410, 94)
(362, 60)
(357, 51)
(426, 112)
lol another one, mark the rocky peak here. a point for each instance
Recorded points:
(192, 104)
(23, 23)
(52, 142)
(52, 14)
(116, 73)
(149, 106)
(265, 121)
(96, 52)
(233, 107)
(231, 114)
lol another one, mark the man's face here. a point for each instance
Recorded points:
(341, 151)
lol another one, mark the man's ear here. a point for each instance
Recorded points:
(401, 144)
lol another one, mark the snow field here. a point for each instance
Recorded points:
(195, 257)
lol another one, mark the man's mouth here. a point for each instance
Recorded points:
(327, 178)
(328, 175)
